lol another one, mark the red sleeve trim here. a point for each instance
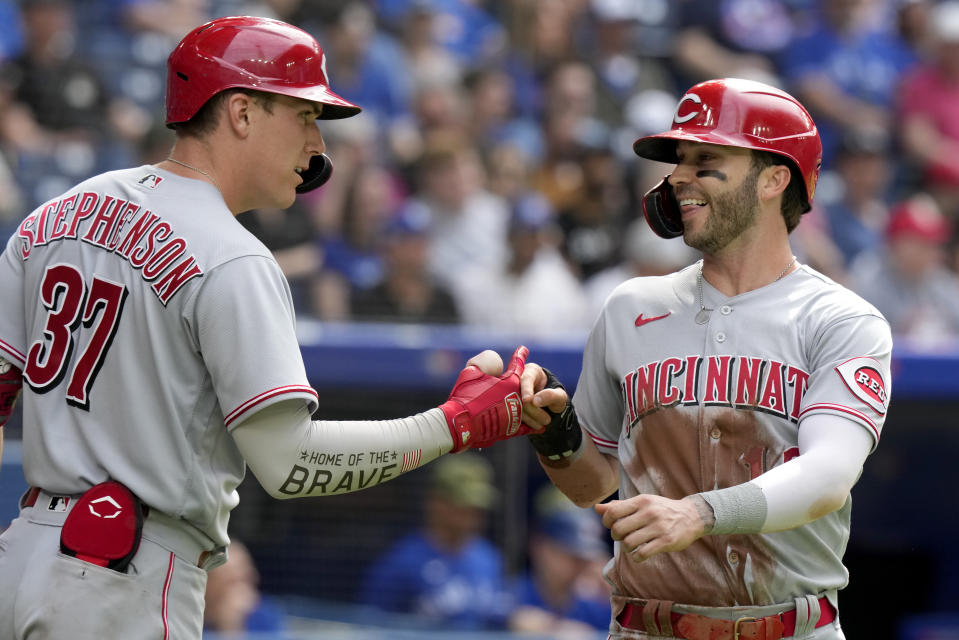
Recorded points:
(6, 346)
(263, 397)
(602, 442)
(862, 417)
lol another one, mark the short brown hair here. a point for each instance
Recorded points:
(206, 118)
(793, 203)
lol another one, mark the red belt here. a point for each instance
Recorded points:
(657, 617)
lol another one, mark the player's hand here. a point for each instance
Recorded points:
(646, 524)
(558, 437)
(536, 397)
(484, 408)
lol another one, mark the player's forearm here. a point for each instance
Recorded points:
(589, 478)
(808, 487)
(293, 456)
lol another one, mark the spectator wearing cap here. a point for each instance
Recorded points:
(908, 280)
(534, 293)
(563, 593)
(407, 293)
(929, 110)
(446, 574)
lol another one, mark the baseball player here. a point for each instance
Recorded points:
(155, 341)
(733, 403)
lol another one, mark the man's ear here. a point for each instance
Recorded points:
(240, 112)
(773, 181)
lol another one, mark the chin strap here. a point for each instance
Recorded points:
(319, 171)
(662, 210)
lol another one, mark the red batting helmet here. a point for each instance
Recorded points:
(735, 113)
(251, 53)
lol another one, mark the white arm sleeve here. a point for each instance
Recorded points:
(293, 456)
(832, 450)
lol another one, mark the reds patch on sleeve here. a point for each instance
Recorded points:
(864, 377)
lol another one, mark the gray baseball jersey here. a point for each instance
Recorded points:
(689, 407)
(146, 320)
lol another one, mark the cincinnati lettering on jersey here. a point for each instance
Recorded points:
(743, 382)
(119, 226)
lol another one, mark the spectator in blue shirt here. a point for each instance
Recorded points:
(466, 29)
(563, 593)
(365, 63)
(846, 68)
(857, 211)
(446, 573)
(11, 32)
(234, 604)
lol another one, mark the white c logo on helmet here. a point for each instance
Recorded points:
(692, 97)
(323, 68)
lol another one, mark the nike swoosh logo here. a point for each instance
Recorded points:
(640, 320)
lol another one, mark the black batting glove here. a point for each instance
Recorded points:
(562, 437)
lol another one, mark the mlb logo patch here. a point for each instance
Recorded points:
(864, 377)
(58, 504)
(150, 181)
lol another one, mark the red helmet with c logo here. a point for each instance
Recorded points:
(743, 113)
(252, 53)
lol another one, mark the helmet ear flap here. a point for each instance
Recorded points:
(661, 210)
(319, 171)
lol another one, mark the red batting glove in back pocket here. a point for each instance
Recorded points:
(104, 527)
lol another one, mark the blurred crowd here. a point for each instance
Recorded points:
(447, 574)
(443, 570)
(490, 179)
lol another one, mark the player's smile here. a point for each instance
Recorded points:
(692, 205)
(691, 201)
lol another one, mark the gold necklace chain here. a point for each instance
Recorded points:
(190, 166)
(702, 316)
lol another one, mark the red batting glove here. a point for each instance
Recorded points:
(484, 409)
(11, 382)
